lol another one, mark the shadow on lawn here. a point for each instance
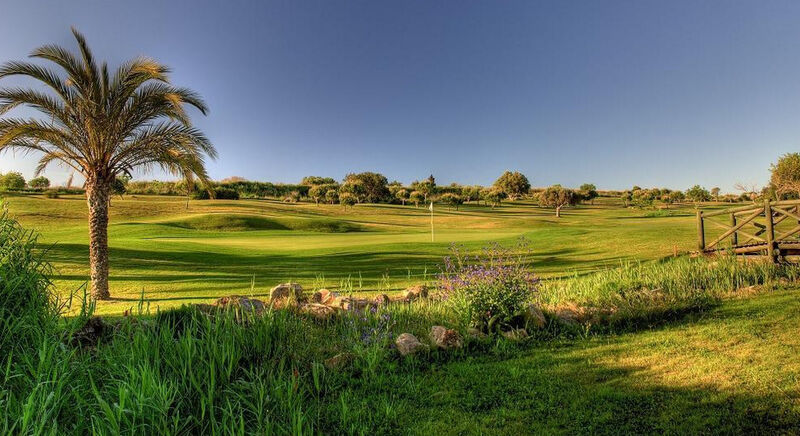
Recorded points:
(590, 387)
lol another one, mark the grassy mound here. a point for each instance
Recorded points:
(244, 223)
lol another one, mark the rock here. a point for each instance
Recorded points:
(318, 311)
(534, 317)
(286, 291)
(476, 333)
(408, 344)
(339, 361)
(323, 296)
(415, 293)
(382, 300)
(239, 302)
(90, 334)
(445, 338)
(515, 335)
(355, 304)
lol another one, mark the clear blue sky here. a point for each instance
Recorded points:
(653, 93)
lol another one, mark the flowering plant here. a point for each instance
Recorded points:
(489, 289)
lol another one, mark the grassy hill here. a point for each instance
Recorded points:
(171, 254)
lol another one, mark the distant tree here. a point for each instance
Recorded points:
(698, 194)
(416, 197)
(471, 193)
(332, 196)
(493, 196)
(427, 187)
(626, 197)
(644, 197)
(557, 197)
(317, 193)
(675, 197)
(40, 182)
(374, 186)
(715, 193)
(515, 184)
(588, 192)
(347, 199)
(68, 183)
(452, 200)
(12, 181)
(785, 175)
(402, 195)
(353, 187)
(316, 180)
(748, 192)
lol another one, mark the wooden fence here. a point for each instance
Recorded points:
(770, 229)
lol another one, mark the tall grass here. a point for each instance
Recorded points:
(641, 291)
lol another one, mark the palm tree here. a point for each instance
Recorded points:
(103, 126)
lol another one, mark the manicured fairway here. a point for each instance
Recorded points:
(172, 255)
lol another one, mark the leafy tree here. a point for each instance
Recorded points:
(374, 185)
(452, 200)
(40, 182)
(427, 187)
(515, 184)
(557, 197)
(12, 181)
(319, 192)
(316, 180)
(402, 195)
(347, 199)
(493, 196)
(471, 193)
(332, 196)
(785, 175)
(103, 125)
(674, 197)
(715, 193)
(355, 188)
(697, 194)
(588, 192)
(416, 197)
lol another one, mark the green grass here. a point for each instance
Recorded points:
(215, 248)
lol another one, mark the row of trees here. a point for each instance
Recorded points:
(14, 181)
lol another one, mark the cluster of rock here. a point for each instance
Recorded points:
(322, 304)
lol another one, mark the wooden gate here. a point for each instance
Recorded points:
(770, 229)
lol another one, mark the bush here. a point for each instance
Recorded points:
(39, 183)
(226, 194)
(12, 181)
(52, 193)
(489, 290)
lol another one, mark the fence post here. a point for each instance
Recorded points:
(701, 234)
(734, 236)
(770, 231)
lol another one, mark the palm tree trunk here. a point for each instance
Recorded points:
(97, 197)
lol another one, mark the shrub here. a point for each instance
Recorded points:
(12, 181)
(39, 183)
(489, 290)
(226, 194)
(52, 193)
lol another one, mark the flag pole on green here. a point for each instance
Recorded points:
(431, 209)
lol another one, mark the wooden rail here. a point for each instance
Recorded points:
(753, 230)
